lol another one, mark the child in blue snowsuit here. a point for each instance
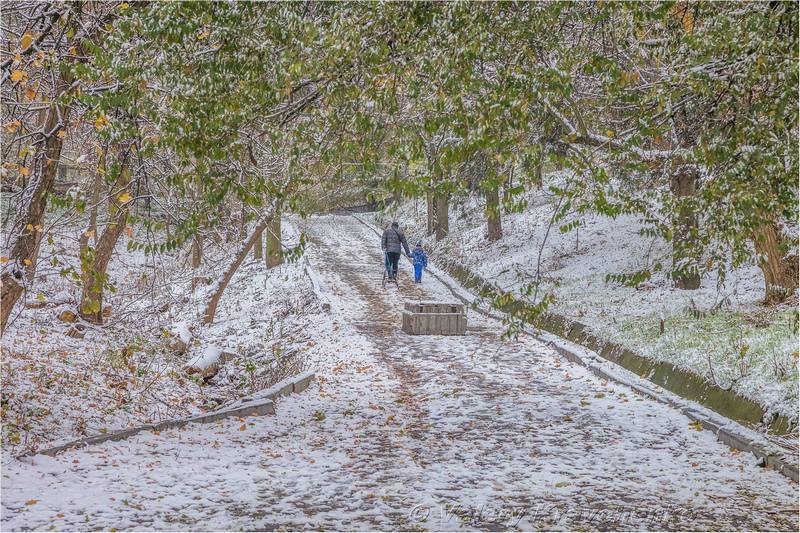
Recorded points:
(420, 259)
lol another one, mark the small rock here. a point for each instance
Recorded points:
(67, 317)
(75, 333)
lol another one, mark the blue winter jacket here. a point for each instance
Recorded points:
(419, 257)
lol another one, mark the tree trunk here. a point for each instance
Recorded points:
(216, 296)
(431, 213)
(95, 261)
(780, 271)
(197, 260)
(258, 248)
(197, 242)
(274, 252)
(442, 216)
(507, 198)
(537, 172)
(24, 247)
(94, 199)
(495, 228)
(684, 254)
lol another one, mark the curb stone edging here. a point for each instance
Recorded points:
(316, 284)
(260, 404)
(728, 432)
(725, 430)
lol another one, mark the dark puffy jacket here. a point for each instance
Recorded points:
(392, 239)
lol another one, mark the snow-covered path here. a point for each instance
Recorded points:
(405, 432)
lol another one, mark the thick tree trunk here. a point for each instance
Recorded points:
(780, 271)
(442, 216)
(494, 224)
(274, 252)
(95, 263)
(22, 252)
(684, 185)
(431, 213)
(211, 307)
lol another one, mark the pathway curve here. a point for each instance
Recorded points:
(403, 432)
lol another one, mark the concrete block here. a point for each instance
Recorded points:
(733, 440)
(302, 381)
(779, 464)
(418, 323)
(256, 408)
(434, 307)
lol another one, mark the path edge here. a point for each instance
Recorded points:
(727, 431)
(259, 404)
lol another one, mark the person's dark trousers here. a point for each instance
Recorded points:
(418, 273)
(394, 257)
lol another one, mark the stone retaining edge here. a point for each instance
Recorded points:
(316, 284)
(727, 431)
(259, 404)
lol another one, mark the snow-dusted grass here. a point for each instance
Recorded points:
(720, 332)
(58, 388)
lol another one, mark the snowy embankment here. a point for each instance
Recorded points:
(132, 370)
(721, 332)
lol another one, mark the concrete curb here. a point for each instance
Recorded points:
(316, 284)
(260, 404)
(727, 431)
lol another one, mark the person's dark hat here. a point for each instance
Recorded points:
(395, 224)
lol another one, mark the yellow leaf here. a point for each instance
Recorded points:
(31, 502)
(89, 233)
(30, 93)
(610, 133)
(18, 75)
(38, 227)
(101, 122)
(129, 231)
(61, 134)
(242, 427)
(25, 171)
(123, 6)
(203, 35)
(29, 227)
(3, 259)
(40, 296)
(12, 126)
(26, 41)
(124, 198)
(17, 59)
(27, 262)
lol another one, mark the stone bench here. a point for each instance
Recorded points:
(434, 318)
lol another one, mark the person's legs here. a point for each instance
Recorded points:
(394, 257)
(418, 273)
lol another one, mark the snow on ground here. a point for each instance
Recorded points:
(401, 432)
(742, 345)
(58, 388)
